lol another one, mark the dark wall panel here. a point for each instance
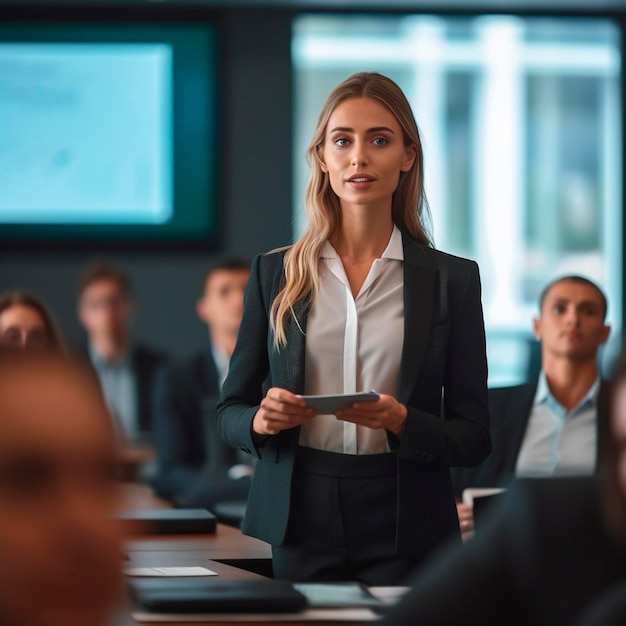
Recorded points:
(255, 189)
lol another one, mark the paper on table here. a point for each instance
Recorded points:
(337, 595)
(169, 571)
(470, 493)
(389, 595)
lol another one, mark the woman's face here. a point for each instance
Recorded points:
(23, 327)
(364, 153)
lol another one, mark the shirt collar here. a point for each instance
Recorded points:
(222, 362)
(543, 391)
(98, 361)
(394, 249)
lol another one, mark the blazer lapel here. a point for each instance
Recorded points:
(419, 302)
(294, 354)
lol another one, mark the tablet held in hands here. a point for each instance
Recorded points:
(326, 405)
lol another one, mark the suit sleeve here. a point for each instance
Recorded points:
(509, 410)
(171, 408)
(462, 437)
(147, 363)
(242, 390)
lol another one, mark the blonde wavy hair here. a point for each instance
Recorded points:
(322, 207)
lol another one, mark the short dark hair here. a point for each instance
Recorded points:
(101, 269)
(574, 278)
(227, 264)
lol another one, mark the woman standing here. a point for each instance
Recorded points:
(360, 302)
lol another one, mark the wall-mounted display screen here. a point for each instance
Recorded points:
(108, 133)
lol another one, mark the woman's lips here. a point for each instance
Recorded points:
(360, 181)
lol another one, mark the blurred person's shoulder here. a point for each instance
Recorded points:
(193, 370)
(558, 505)
(150, 354)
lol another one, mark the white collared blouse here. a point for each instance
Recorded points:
(354, 344)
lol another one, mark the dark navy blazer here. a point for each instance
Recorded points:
(189, 451)
(443, 352)
(145, 362)
(510, 409)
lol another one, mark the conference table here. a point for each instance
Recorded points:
(229, 553)
(228, 543)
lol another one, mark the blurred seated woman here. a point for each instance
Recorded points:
(26, 322)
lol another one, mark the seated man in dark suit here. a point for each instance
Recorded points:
(195, 468)
(125, 368)
(548, 427)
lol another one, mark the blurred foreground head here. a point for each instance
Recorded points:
(60, 555)
(612, 450)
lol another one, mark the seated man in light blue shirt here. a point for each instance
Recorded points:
(548, 426)
(559, 440)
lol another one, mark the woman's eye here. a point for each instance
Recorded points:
(380, 141)
(342, 141)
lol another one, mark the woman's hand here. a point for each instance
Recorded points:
(385, 413)
(279, 410)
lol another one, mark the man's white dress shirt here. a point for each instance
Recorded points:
(558, 441)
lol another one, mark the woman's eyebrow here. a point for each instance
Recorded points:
(375, 129)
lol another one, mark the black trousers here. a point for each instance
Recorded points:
(342, 522)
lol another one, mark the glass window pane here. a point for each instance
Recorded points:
(521, 125)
